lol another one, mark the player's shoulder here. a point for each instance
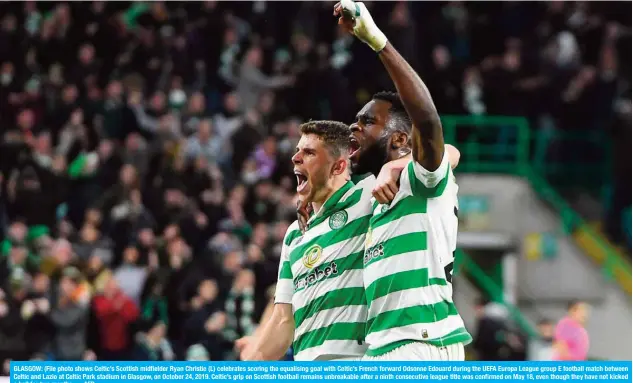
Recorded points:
(292, 233)
(427, 183)
(364, 185)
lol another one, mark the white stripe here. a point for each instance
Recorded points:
(348, 279)
(401, 226)
(414, 331)
(332, 347)
(315, 231)
(409, 298)
(412, 260)
(324, 318)
(331, 253)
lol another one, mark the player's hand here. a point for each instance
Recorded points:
(355, 18)
(242, 343)
(304, 209)
(246, 348)
(386, 186)
(249, 353)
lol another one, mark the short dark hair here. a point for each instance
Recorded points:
(399, 118)
(334, 134)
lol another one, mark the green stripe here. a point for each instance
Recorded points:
(352, 200)
(285, 272)
(332, 204)
(418, 188)
(291, 236)
(352, 229)
(460, 335)
(411, 315)
(416, 241)
(403, 280)
(353, 261)
(351, 296)
(338, 331)
(406, 206)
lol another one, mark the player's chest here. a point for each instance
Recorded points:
(388, 220)
(326, 244)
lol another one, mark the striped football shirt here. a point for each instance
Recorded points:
(321, 275)
(408, 263)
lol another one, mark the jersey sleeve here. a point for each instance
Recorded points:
(427, 183)
(285, 286)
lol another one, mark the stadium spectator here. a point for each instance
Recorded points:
(541, 348)
(115, 312)
(69, 316)
(571, 340)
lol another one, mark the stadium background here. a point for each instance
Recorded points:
(146, 182)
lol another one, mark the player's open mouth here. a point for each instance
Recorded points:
(354, 146)
(302, 181)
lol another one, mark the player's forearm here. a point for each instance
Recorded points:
(401, 163)
(275, 337)
(268, 312)
(428, 138)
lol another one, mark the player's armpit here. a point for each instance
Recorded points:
(275, 337)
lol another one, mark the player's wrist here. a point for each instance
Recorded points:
(374, 37)
(377, 42)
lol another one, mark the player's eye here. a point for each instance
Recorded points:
(367, 120)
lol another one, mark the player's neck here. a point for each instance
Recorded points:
(329, 190)
(376, 166)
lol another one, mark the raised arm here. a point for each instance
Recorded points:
(427, 138)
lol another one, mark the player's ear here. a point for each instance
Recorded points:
(339, 167)
(399, 140)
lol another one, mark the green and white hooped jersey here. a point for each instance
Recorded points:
(408, 263)
(321, 275)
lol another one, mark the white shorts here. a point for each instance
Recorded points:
(422, 351)
(347, 359)
(341, 358)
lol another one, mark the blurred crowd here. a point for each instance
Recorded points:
(144, 162)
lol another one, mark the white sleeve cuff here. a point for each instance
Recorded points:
(431, 179)
(284, 291)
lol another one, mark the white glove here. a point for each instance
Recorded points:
(364, 26)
